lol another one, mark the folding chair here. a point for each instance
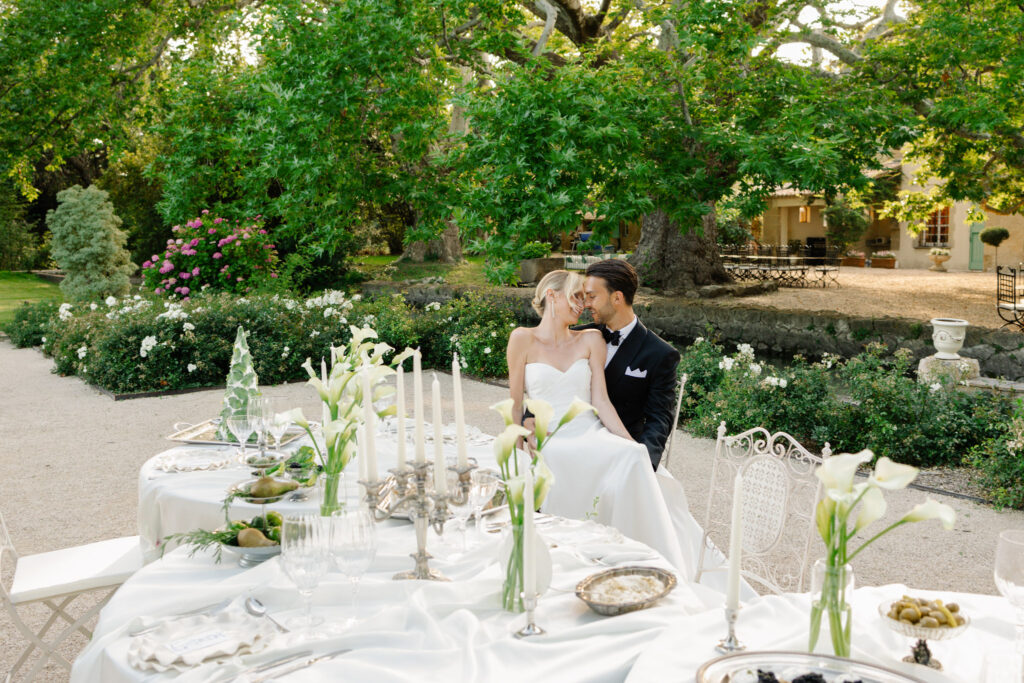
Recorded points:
(1009, 304)
(780, 493)
(55, 579)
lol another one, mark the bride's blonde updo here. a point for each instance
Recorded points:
(561, 281)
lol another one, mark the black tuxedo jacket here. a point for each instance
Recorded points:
(641, 380)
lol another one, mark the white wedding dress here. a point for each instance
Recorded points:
(601, 476)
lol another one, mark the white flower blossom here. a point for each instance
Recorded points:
(783, 383)
(43, 339)
(191, 367)
(137, 298)
(148, 344)
(726, 364)
(328, 312)
(173, 312)
(487, 349)
(935, 386)
(188, 327)
(64, 312)
(285, 351)
(110, 301)
(698, 340)
(433, 306)
(357, 297)
(82, 350)
(745, 350)
(314, 334)
(93, 306)
(755, 369)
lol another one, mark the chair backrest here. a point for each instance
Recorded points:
(675, 419)
(1006, 289)
(779, 492)
(7, 554)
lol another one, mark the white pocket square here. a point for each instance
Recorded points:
(635, 373)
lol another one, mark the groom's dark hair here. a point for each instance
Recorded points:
(618, 276)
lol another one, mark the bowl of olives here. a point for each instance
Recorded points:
(925, 619)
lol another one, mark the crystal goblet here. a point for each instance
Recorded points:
(304, 558)
(485, 485)
(354, 547)
(1009, 576)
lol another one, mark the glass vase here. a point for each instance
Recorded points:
(334, 493)
(831, 608)
(512, 587)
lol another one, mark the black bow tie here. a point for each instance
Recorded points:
(610, 337)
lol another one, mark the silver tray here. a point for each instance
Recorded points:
(730, 668)
(584, 589)
(206, 433)
(240, 491)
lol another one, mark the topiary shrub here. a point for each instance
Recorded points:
(994, 236)
(88, 245)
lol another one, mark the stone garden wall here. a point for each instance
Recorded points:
(778, 332)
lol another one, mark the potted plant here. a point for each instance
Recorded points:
(536, 262)
(883, 259)
(938, 255)
(853, 258)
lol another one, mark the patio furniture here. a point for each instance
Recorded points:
(780, 493)
(1009, 301)
(785, 265)
(56, 579)
(675, 422)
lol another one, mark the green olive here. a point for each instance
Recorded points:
(910, 614)
(929, 622)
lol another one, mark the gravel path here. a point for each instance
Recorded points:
(916, 294)
(71, 457)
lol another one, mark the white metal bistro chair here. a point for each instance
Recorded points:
(675, 421)
(55, 579)
(779, 492)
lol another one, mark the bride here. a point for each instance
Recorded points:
(600, 471)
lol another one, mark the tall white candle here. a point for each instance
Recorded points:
(529, 531)
(370, 427)
(417, 399)
(732, 596)
(361, 453)
(400, 414)
(440, 467)
(460, 418)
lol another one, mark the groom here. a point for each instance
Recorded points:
(640, 369)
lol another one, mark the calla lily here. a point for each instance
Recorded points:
(846, 500)
(379, 349)
(382, 391)
(400, 358)
(505, 443)
(837, 472)
(872, 507)
(932, 509)
(543, 480)
(504, 408)
(577, 407)
(360, 335)
(823, 518)
(294, 415)
(542, 414)
(514, 490)
(892, 475)
(332, 430)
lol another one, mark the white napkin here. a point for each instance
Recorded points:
(184, 643)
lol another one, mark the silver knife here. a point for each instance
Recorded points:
(205, 609)
(310, 661)
(267, 666)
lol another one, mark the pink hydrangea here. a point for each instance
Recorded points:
(217, 221)
(194, 242)
(158, 290)
(147, 264)
(205, 211)
(166, 267)
(213, 231)
(273, 275)
(186, 275)
(217, 255)
(195, 271)
(185, 290)
(263, 232)
(154, 258)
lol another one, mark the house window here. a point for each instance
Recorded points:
(936, 229)
(805, 214)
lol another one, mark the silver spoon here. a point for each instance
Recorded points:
(256, 608)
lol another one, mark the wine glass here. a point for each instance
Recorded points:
(278, 426)
(1009, 575)
(354, 546)
(304, 559)
(260, 415)
(461, 511)
(485, 485)
(241, 426)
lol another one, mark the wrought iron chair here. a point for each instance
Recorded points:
(675, 422)
(1009, 303)
(780, 493)
(55, 579)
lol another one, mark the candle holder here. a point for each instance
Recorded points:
(426, 507)
(730, 643)
(531, 628)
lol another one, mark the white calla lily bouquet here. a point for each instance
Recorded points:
(862, 504)
(342, 395)
(505, 452)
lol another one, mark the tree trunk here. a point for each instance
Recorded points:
(447, 248)
(668, 259)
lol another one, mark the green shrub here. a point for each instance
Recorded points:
(476, 327)
(1001, 461)
(994, 236)
(535, 250)
(88, 245)
(31, 323)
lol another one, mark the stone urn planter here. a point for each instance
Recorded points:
(533, 269)
(937, 261)
(948, 337)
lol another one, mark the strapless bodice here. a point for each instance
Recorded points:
(559, 388)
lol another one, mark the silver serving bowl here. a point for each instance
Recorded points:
(250, 557)
(597, 602)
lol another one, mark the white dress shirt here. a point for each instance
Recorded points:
(623, 333)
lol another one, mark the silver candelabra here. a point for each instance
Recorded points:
(426, 506)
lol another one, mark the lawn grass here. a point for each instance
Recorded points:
(16, 288)
(469, 272)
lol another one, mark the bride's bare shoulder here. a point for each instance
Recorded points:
(590, 336)
(520, 338)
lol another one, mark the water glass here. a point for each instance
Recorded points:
(241, 426)
(354, 546)
(304, 558)
(278, 426)
(485, 485)
(461, 511)
(260, 415)
(1009, 575)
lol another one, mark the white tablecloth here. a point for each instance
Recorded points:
(781, 623)
(416, 630)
